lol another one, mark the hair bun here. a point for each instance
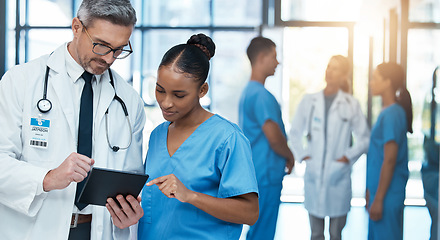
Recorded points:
(203, 42)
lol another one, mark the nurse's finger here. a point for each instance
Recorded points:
(162, 185)
(169, 191)
(157, 180)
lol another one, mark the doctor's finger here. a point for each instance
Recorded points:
(82, 166)
(125, 206)
(135, 208)
(116, 209)
(80, 170)
(76, 177)
(115, 217)
(85, 159)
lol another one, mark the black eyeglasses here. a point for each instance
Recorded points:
(101, 49)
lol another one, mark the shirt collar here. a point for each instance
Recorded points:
(74, 70)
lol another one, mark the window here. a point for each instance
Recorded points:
(423, 58)
(424, 11)
(320, 10)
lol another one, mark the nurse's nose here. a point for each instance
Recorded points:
(167, 102)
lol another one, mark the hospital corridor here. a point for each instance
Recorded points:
(219, 119)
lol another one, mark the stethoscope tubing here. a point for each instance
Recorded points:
(48, 107)
(312, 110)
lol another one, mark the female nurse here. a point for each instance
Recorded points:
(203, 180)
(387, 160)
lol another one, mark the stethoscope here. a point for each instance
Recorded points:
(343, 116)
(44, 105)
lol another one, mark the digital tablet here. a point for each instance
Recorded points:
(105, 183)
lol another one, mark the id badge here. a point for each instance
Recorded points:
(39, 133)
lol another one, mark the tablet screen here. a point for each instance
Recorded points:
(104, 183)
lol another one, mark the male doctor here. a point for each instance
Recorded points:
(49, 143)
(328, 119)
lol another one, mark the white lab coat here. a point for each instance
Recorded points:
(327, 183)
(25, 214)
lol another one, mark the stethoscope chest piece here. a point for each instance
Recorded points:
(44, 105)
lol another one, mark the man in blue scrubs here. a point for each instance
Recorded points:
(261, 121)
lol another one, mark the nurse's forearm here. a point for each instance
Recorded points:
(277, 140)
(387, 171)
(241, 209)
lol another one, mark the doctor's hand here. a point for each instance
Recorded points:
(343, 159)
(376, 210)
(74, 169)
(127, 213)
(172, 187)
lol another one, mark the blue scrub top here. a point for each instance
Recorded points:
(391, 125)
(214, 160)
(257, 105)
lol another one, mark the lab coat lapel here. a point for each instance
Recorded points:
(336, 102)
(107, 94)
(62, 86)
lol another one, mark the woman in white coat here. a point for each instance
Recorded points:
(327, 120)
(39, 164)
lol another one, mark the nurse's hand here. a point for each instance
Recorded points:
(290, 163)
(74, 169)
(306, 158)
(367, 198)
(127, 212)
(172, 187)
(376, 210)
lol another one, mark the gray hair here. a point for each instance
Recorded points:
(119, 12)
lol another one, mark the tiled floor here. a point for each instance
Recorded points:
(293, 223)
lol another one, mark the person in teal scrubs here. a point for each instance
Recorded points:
(431, 146)
(387, 159)
(203, 180)
(261, 121)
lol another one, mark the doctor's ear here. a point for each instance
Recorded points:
(203, 90)
(76, 26)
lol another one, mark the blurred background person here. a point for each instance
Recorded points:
(261, 121)
(387, 159)
(430, 167)
(329, 119)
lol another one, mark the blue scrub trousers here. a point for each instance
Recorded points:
(390, 227)
(269, 204)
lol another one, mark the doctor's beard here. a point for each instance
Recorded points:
(100, 68)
